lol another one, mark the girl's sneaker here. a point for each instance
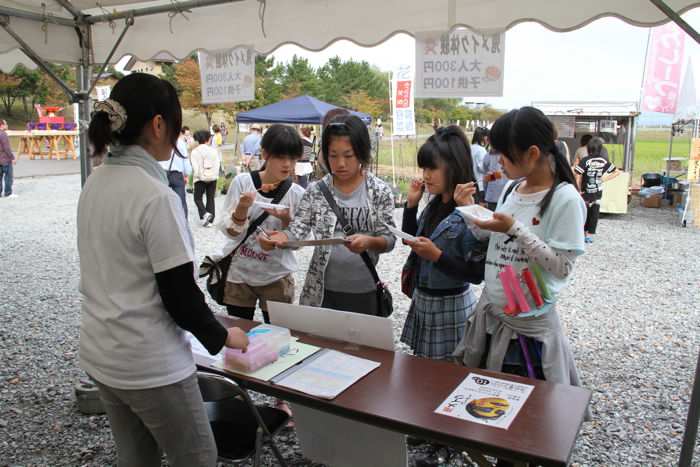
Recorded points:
(589, 239)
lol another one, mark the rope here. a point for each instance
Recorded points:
(261, 15)
(177, 11)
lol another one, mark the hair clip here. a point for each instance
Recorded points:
(115, 112)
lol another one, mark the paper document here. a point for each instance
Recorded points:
(263, 204)
(400, 233)
(326, 374)
(486, 400)
(323, 241)
(298, 352)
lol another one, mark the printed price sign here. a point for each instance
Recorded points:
(227, 75)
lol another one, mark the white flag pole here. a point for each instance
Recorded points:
(393, 122)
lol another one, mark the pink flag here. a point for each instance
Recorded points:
(663, 69)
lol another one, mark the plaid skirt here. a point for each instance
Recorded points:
(435, 325)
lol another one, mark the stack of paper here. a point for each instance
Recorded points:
(326, 374)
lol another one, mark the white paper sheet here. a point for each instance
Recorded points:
(486, 400)
(476, 212)
(322, 241)
(263, 204)
(327, 374)
(400, 233)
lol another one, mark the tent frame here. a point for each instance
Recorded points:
(83, 27)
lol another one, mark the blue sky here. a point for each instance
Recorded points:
(602, 61)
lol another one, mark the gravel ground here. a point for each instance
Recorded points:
(631, 314)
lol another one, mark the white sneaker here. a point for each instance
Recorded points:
(206, 220)
(12, 196)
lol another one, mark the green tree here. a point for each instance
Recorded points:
(339, 80)
(299, 79)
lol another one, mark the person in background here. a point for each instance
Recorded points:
(7, 161)
(495, 179)
(216, 138)
(478, 151)
(338, 277)
(137, 284)
(303, 167)
(178, 168)
(591, 172)
(205, 171)
(582, 150)
(256, 275)
(250, 148)
(224, 131)
(442, 300)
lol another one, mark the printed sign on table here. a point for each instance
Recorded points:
(663, 69)
(459, 63)
(403, 91)
(486, 400)
(227, 75)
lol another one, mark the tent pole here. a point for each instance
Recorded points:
(170, 7)
(70, 8)
(129, 23)
(84, 75)
(691, 425)
(49, 18)
(676, 18)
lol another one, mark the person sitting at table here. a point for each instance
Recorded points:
(137, 284)
(337, 277)
(256, 275)
(535, 236)
(442, 299)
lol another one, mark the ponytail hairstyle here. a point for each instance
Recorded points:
(133, 102)
(518, 130)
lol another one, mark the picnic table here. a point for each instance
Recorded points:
(51, 144)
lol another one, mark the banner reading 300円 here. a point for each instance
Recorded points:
(228, 75)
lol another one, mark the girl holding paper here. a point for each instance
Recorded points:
(256, 275)
(442, 299)
(338, 278)
(536, 235)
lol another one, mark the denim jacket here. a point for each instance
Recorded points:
(455, 240)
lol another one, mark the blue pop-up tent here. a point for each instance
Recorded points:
(297, 110)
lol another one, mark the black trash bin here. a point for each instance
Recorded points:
(651, 179)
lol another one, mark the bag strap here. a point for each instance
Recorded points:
(347, 228)
(509, 190)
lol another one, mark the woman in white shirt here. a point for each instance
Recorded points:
(256, 275)
(206, 163)
(479, 153)
(139, 294)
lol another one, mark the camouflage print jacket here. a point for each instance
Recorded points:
(315, 215)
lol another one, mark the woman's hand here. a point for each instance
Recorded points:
(425, 248)
(415, 192)
(499, 223)
(273, 240)
(237, 339)
(283, 214)
(464, 194)
(359, 243)
(246, 200)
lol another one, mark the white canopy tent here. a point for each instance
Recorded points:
(95, 32)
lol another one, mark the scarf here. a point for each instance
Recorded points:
(135, 155)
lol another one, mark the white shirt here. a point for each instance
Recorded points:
(206, 162)
(179, 164)
(479, 153)
(130, 227)
(253, 265)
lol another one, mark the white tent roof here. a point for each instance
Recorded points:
(312, 24)
(589, 108)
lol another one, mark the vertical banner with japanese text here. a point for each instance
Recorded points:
(662, 75)
(403, 90)
(228, 75)
(459, 63)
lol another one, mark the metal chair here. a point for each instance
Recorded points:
(240, 427)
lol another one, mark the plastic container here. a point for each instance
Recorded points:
(276, 337)
(258, 355)
(476, 212)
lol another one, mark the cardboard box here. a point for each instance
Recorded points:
(652, 201)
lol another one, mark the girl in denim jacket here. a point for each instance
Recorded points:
(442, 299)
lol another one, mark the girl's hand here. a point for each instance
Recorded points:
(283, 214)
(246, 200)
(415, 192)
(358, 243)
(236, 339)
(275, 240)
(464, 194)
(499, 223)
(425, 248)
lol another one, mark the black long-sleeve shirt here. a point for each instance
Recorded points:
(184, 301)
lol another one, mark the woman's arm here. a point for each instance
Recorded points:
(185, 303)
(384, 240)
(558, 262)
(409, 222)
(304, 217)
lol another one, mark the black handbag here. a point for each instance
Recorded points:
(385, 302)
(217, 271)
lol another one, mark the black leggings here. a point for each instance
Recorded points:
(592, 217)
(245, 312)
(200, 188)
